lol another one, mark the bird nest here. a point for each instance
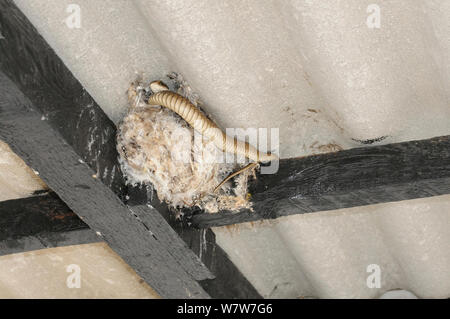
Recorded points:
(158, 148)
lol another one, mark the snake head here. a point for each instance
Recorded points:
(158, 86)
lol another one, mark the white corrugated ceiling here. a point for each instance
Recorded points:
(315, 70)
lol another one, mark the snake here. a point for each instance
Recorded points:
(201, 123)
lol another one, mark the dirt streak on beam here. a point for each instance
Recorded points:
(355, 177)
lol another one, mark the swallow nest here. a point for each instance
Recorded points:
(158, 148)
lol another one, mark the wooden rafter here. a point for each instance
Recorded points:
(41, 147)
(355, 177)
(49, 120)
(45, 221)
(39, 222)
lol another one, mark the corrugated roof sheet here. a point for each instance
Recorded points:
(317, 71)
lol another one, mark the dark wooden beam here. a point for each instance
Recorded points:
(38, 214)
(40, 222)
(229, 282)
(45, 221)
(355, 177)
(46, 151)
(49, 120)
(57, 128)
(47, 240)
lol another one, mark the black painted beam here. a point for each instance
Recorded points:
(355, 177)
(38, 214)
(41, 147)
(40, 222)
(229, 282)
(45, 221)
(49, 120)
(57, 128)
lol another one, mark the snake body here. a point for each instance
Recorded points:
(197, 120)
